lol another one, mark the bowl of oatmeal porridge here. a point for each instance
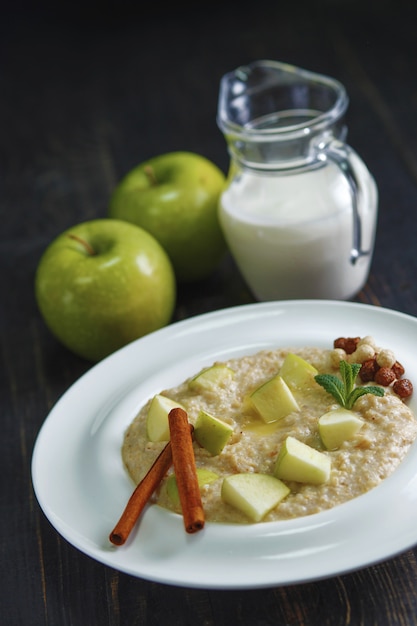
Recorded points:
(82, 439)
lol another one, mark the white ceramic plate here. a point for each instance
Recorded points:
(82, 487)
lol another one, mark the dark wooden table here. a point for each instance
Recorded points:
(86, 93)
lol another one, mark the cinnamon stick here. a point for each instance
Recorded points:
(185, 470)
(141, 496)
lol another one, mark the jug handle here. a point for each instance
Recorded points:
(339, 153)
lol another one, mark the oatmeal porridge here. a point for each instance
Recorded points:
(359, 464)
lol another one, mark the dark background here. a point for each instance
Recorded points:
(87, 91)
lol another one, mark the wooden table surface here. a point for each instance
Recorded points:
(86, 93)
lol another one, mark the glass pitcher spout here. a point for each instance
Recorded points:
(273, 115)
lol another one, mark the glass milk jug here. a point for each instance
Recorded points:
(299, 210)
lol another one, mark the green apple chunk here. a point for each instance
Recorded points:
(301, 463)
(102, 284)
(157, 423)
(211, 377)
(174, 196)
(204, 477)
(338, 426)
(253, 494)
(297, 372)
(273, 400)
(211, 432)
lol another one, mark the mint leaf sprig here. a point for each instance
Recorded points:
(344, 390)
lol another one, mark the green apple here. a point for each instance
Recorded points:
(103, 283)
(212, 433)
(157, 422)
(337, 426)
(253, 494)
(301, 463)
(297, 372)
(174, 196)
(211, 377)
(273, 400)
(204, 477)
